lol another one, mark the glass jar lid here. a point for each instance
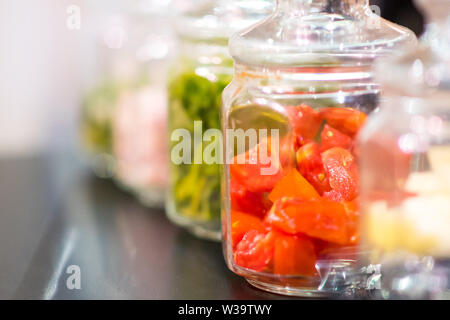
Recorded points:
(214, 19)
(424, 71)
(312, 32)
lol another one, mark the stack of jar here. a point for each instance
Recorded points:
(305, 145)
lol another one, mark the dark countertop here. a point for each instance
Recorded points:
(54, 214)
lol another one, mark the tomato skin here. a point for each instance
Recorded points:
(324, 247)
(294, 255)
(255, 251)
(320, 219)
(310, 166)
(334, 195)
(342, 172)
(247, 201)
(305, 121)
(348, 121)
(293, 185)
(251, 175)
(241, 223)
(334, 138)
(279, 252)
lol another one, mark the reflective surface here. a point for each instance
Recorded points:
(53, 214)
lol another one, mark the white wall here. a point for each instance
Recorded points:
(43, 66)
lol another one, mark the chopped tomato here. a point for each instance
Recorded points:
(294, 255)
(241, 223)
(255, 251)
(334, 138)
(246, 201)
(257, 174)
(325, 247)
(308, 157)
(293, 185)
(333, 195)
(342, 172)
(305, 121)
(354, 221)
(300, 142)
(326, 220)
(309, 164)
(347, 120)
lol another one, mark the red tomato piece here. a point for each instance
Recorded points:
(241, 223)
(326, 220)
(305, 121)
(246, 201)
(294, 255)
(324, 247)
(353, 226)
(310, 166)
(347, 120)
(254, 174)
(333, 195)
(342, 172)
(295, 186)
(255, 251)
(334, 138)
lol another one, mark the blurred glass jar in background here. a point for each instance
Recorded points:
(405, 167)
(124, 119)
(303, 83)
(140, 144)
(202, 70)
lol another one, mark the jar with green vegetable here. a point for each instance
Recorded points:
(202, 71)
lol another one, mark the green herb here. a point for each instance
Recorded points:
(98, 112)
(196, 187)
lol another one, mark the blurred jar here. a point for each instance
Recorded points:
(303, 83)
(202, 70)
(124, 121)
(405, 167)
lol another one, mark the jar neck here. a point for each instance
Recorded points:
(303, 7)
(313, 77)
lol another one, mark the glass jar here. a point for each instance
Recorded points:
(301, 91)
(99, 102)
(405, 168)
(202, 70)
(140, 144)
(124, 122)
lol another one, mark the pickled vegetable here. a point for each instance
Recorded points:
(195, 188)
(313, 205)
(97, 117)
